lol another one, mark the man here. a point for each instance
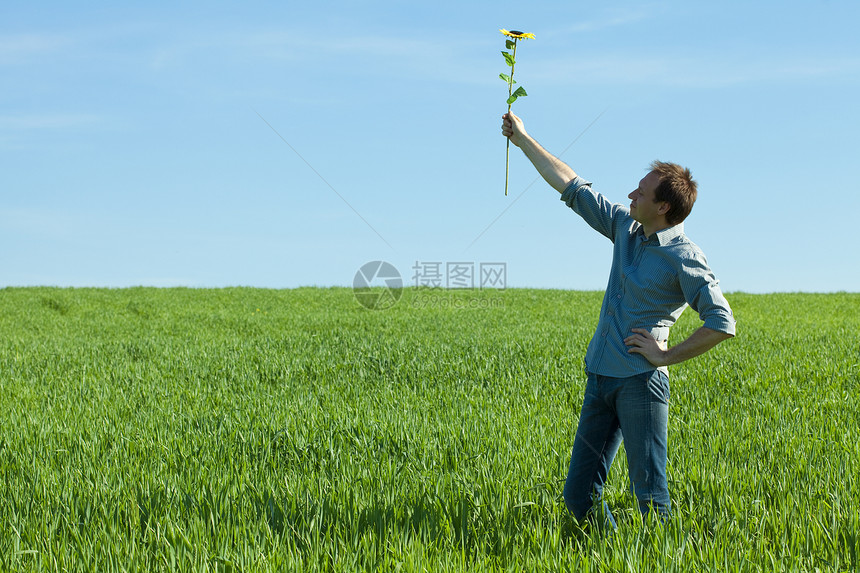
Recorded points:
(656, 273)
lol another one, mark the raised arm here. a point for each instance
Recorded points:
(551, 168)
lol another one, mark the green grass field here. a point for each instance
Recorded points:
(294, 430)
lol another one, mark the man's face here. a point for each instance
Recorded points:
(643, 208)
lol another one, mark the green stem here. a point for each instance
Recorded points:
(510, 91)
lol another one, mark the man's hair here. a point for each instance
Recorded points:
(677, 188)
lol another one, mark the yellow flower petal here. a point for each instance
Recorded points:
(517, 34)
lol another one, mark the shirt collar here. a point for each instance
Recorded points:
(664, 236)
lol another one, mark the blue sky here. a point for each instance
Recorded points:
(286, 144)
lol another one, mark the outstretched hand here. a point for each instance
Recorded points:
(513, 128)
(641, 342)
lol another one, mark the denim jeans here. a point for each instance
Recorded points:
(637, 409)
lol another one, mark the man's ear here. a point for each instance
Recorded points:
(663, 208)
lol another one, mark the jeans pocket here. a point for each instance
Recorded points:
(658, 386)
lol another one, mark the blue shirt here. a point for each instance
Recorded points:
(653, 279)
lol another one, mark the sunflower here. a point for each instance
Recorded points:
(510, 60)
(517, 35)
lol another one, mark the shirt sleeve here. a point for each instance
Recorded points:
(601, 214)
(702, 292)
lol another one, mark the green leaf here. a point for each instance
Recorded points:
(520, 92)
(507, 78)
(509, 59)
(509, 44)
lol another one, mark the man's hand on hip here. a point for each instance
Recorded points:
(702, 340)
(641, 342)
